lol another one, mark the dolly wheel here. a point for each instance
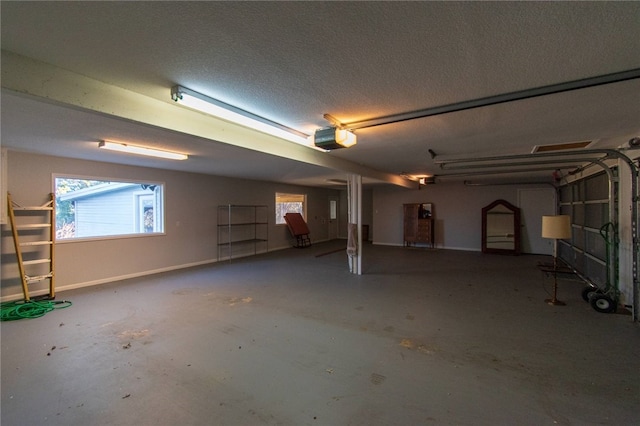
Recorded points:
(602, 303)
(588, 291)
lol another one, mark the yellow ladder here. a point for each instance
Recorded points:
(37, 219)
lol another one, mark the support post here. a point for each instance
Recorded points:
(354, 191)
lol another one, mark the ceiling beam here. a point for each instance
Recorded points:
(48, 83)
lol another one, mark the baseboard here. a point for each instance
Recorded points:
(427, 247)
(60, 289)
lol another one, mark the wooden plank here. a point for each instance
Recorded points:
(36, 261)
(36, 243)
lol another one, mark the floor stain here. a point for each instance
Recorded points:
(182, 291)
(134, 334)
(377, 379)
(426, 350)
(407, 343)
(235, 300)
(410, 344)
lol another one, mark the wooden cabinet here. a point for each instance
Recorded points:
(418, 225)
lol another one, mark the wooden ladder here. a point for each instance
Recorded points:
(36, 220)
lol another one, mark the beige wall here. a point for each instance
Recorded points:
(457, 211)
(191, 219)
(190, 238)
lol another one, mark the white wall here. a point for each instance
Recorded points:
(190, 238)
(457, 211)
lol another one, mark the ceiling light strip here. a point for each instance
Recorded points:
(139, 150)
(217, 108)
(497, 99)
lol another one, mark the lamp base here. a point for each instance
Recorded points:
(555, 302)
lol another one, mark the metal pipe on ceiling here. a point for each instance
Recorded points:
(499, 172)
(467, 183)
(530, 163)
(583, 152)
(496, 99)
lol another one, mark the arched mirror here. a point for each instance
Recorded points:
(501, 228)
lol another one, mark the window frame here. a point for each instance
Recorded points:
(289, 194)
(160, 201)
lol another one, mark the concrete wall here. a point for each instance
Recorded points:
(190, 238)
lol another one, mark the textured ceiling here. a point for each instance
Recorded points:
(292, 62)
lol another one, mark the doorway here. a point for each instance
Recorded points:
(332, 223)
(535, 203)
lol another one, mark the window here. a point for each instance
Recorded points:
(90, 208)
(290, 203)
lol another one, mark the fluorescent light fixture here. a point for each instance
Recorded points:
(132, 149)
(202, 103)
(334, 138)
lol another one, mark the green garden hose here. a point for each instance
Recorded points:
(10, 311)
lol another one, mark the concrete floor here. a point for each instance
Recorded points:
(422, 337)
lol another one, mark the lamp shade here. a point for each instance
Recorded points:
(557, 227)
